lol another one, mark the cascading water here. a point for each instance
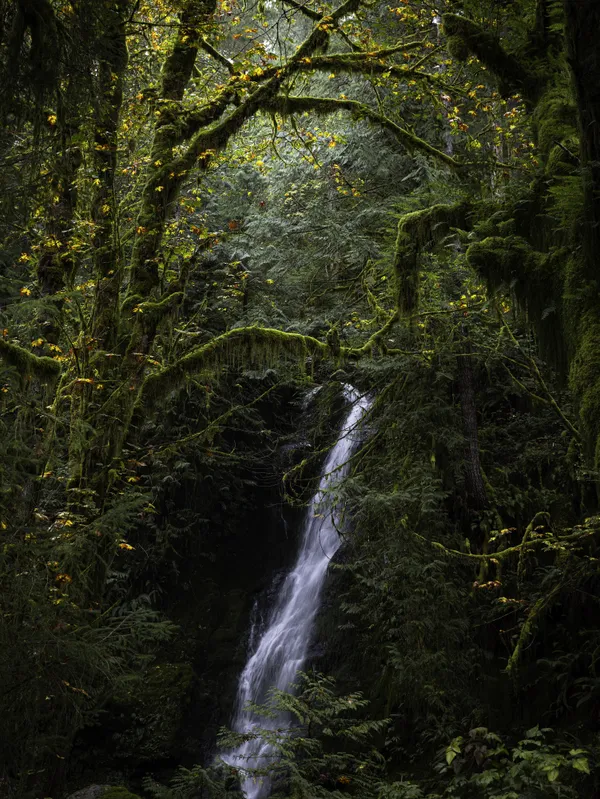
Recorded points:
(279, 653)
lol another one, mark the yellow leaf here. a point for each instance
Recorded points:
(25, 292)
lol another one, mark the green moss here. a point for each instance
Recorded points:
(584, 380)
(466, 37)
(157, 310)
(555, 120)
(416, 231)
(241, 347)
(563, 157)
(535, 279)
(28, 364)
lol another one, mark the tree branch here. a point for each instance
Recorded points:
(222, 59)
(325, 105)
(28, 364)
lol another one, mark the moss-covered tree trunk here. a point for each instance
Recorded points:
(535, 261)
(583, 275)
(582, 27)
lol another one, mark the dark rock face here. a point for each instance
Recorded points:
(91, 792)
(238, 534)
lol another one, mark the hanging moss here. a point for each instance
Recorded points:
(241, 347)
(535, 279)
(417, 230)
(27, 364)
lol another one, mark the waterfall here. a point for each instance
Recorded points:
(279, 653)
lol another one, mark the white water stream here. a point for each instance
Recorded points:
(279, 653)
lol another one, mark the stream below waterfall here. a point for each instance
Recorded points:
(279, 651)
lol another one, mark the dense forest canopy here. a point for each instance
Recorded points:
(209, 207)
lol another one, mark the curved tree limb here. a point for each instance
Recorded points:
(326, 105)
(28, 364)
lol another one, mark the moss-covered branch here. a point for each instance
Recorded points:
(162, 185)
(372, 62)
(466, 37)
(304, 9)
(417, 230)
(375, 340)
(253, 347)
(218, 56)
(166, 172)
(244, 346)
(326, 105)
(27, 364)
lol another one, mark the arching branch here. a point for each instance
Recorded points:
(326, 105)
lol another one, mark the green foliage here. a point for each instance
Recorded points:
(198, 208)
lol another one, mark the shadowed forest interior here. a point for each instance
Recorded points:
(299, 326)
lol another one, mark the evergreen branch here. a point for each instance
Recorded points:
(243, 346)
(214, 426)
(544, 386)
(326, 105)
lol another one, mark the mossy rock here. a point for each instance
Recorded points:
(103, 792)
(119, 793)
